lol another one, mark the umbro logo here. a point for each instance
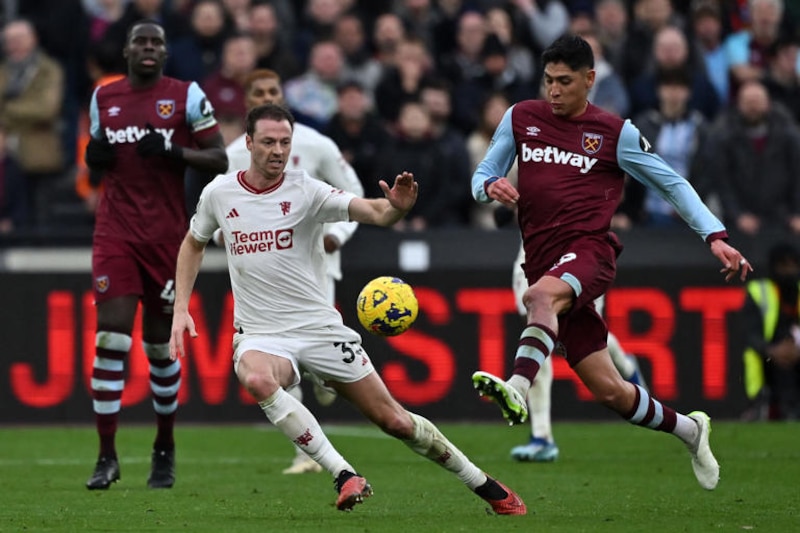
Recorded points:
(233, 213)
(533, 131)
(114, 111)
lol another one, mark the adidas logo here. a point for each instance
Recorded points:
(233, 213)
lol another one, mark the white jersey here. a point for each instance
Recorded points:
(273, 242)
(322, 159)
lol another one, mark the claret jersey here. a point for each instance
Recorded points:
(571, 175)
(143, 198)
(273, 240)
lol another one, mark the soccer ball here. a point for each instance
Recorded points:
(387, 306)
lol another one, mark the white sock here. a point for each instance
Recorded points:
(619, 357)
(297, 393)
(539, 402)
(685, 429)
(520, 383)
(429, 442)
(297, 423)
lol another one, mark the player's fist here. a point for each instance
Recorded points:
(99, 154)
(154, 143)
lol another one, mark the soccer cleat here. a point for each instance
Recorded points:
(302, 464)
(324, 395)
(705, 466)
(510, 401)
(352, 489)
(162, 470)
(510, 505)
(106, 472)
(536, 451)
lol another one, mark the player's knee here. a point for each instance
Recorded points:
(260, 385)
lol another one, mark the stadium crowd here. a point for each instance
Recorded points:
(714, 85)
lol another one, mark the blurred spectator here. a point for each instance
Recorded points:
(272, 49)
(649, 17)
(102, 13)
(611, 18)
(239, 13)
(435, 97)
(671, 51)
(197, 54)
(413, 148)
(356, 129)
(115, 35)
(444, 33)
(403, 81)
(608, 91)
(519, 57)
(312, 95)
(358, 62)
(491, 112)
(13, 192)
(755, 157)
(546, 19)
(465, 62)
(748, 49)
(678, 135)
(32, 87)
(707, 32)
(225, 87)
(781, 79)
(319, 18)
(772, 325)
(420, 19)
(387, 35)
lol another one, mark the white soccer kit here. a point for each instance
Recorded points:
(318, 155)
(276, 263)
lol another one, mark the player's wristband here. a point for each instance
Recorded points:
(716, 236)
(489, 182)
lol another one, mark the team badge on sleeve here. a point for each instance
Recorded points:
(165, 108)
(592, 142)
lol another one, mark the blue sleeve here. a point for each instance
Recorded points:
(199, 111)
(737, 48)
(94, 117)
(498, 159)
(635, 156)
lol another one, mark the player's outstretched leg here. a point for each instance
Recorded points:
(511, 402)
(704, 464)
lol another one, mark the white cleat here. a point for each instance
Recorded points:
(705, 466)
(303, 465)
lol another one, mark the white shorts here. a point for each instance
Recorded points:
(331, 353)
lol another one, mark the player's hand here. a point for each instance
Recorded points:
(99, 154)
(155, 144)
(403, 194)
(182, 322)
(732, 260)
(505, 193)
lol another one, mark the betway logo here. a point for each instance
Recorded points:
(254, 242)
(132, 134)
(551, 154)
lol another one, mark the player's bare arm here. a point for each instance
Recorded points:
(386, 211)
(732, 260)
(209, 156)
(190, 257)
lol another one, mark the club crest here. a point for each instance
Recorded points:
(101, 283)
(165, 108)
(592, 142)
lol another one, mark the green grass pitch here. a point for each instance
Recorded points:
(610, 477)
